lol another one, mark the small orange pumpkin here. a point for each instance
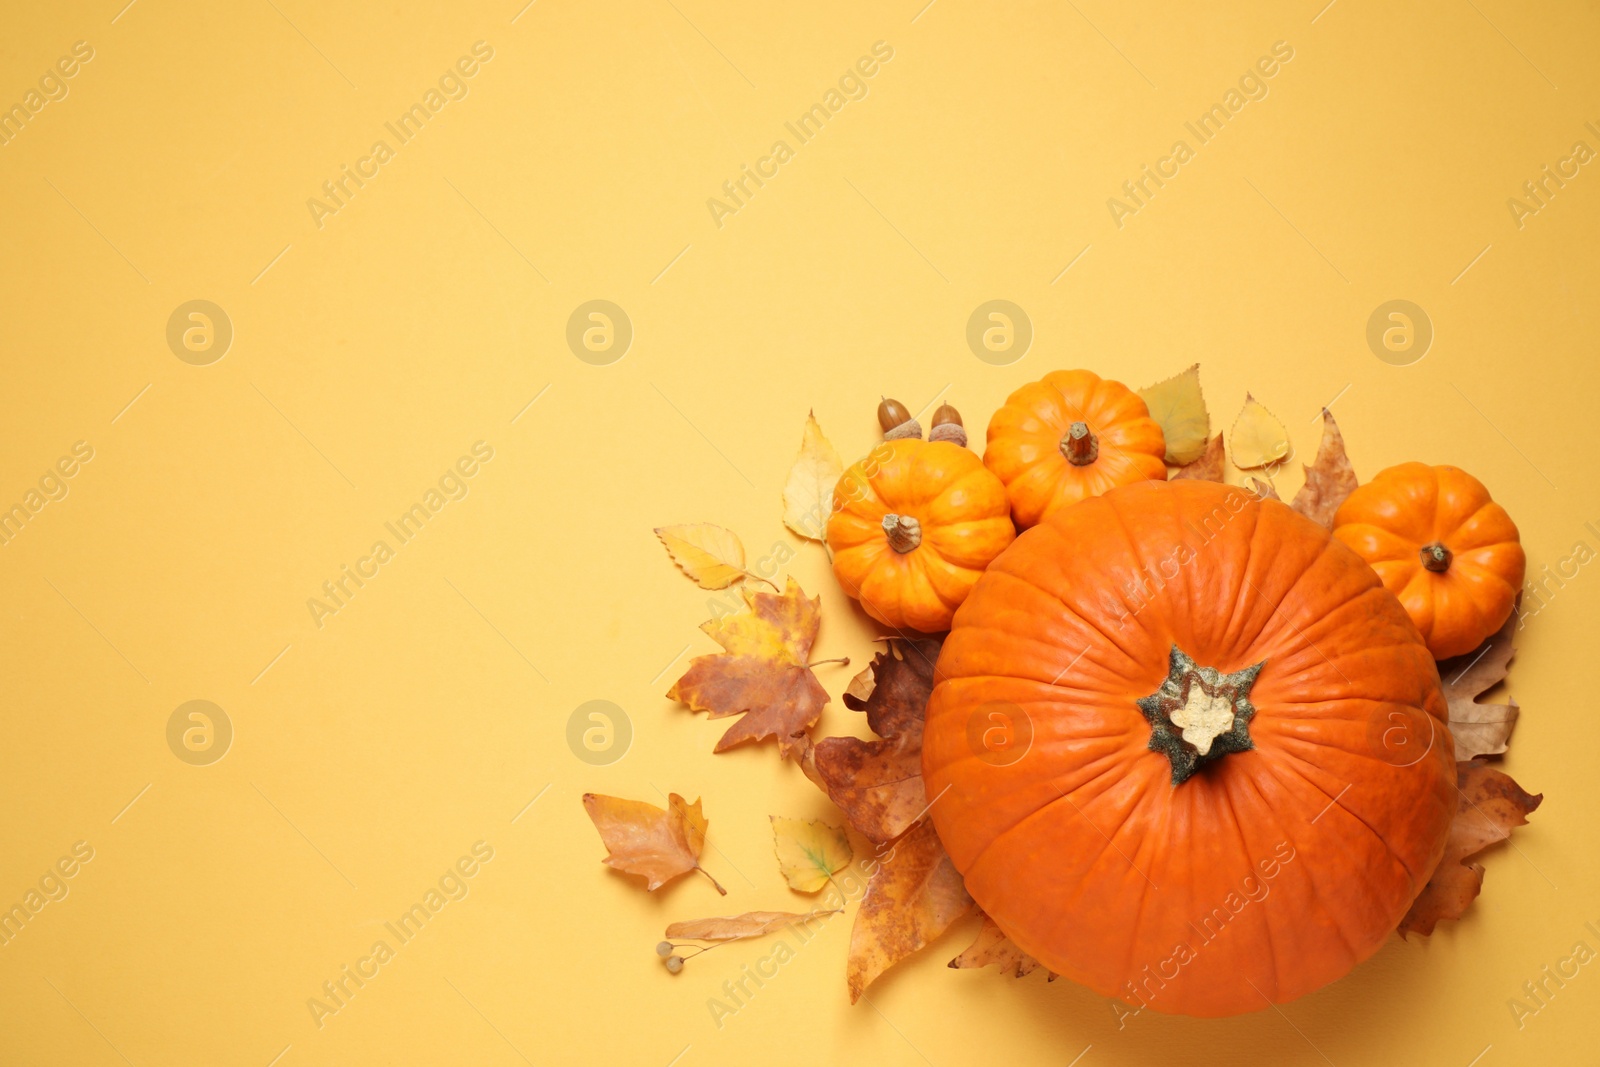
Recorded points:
(1451, 554)
(915, 523)
(1188, 751)
(1070, 436)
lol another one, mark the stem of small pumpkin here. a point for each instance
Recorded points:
(904, 532)
(1436, 557)
(1079, 445)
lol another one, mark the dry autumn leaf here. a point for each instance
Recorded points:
(808, 492)
(1490, 806)
(992, 946)
(1257, 439)
(763, 674)
(710, 555)
(1209, 467)
(1329, 478)
(739, 927)
(1481, 729)
(878, 784)
(1179, 407)
(810, 852)
(643, 839)
(914, 896)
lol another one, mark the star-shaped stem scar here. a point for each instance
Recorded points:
(1199, 714)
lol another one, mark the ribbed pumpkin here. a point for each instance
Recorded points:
(1234, 773)
(1451, 555)
(914, 524)
(1070, 436)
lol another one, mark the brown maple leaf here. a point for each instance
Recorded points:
(1481, 729)
(915, 895)
(992, 946)
(763, 674)
(1329, 478)
(643, 839)
(1490, 806)
(878, 784)
(1209, 467)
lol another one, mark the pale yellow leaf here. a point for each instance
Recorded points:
(712, 556)
(1179, 407)
(1257, 439)
(808, 493)
(809, 852)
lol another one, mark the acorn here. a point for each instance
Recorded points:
(947, 427)
(896, 421)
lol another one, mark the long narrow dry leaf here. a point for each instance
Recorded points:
(739, 927)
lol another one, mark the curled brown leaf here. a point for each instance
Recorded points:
(1329, 478)
(1491, 804)
(1209, 467)
(878, 784)
(993, 947)
(1481, 729)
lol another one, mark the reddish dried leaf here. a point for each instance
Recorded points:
(1491, 805)
(763, 675)
(992, 946)
(1209, 467)
(914, 896)
(878, 784)
(1329, 479)
(1481, 729)
(642, 839)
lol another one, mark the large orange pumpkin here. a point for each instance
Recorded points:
(914, 524)
(1451, 555)
(1188, 751)
(1070, 436)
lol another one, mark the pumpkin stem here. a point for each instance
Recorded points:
(1436, 557)
(904, 531)
(1079, 445)
(1199, 714)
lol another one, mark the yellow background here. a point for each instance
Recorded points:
(370, 353)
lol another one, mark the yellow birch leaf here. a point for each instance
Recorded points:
(1257, 439)
(809, 852)
(808, 494)
(710, 555)
(1179, 407)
